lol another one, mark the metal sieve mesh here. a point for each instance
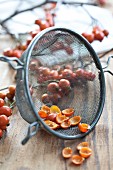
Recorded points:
(59, 48)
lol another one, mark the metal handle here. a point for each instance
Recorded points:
(31, 132)
(9, 60)
(108, 61)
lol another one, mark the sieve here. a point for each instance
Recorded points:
(53, 48)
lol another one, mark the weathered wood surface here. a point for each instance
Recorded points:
(43, 151)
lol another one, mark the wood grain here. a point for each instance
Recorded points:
(43, 151)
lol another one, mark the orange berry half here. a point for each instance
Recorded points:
(83, 127)
(51, 124)
(67, 152)
(68, 112)
(75, 120)
(85, 152)
(77, 159)
(65, 124)
(42, 114)
(82, 144)
(46, 109)
(61, 118)
(55, 109)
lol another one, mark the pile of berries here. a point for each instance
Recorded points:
(59, 81)
(5, 110)
(56, 118)
(84, 152)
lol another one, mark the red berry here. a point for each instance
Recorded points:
(2, 95)
(96, 28)
(12, 89)
(53, 87)
(3, 127)
(3, 120)
(34, 64)
(1, 102)
(53, 74)
(16, 53)
(106, 32)
(10, 96)
(1, 133)
(67, 73)
(8, 52)
(99, 36)
(45, 98)
(102, 2)
(6, 111)
(64, 84)
(89, 37)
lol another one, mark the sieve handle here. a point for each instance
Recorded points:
(9, 60)
(31, 132)
(108, 62)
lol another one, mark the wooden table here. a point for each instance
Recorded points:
(43, 151)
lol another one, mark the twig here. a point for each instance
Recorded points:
(37, 6)
(16, 12)
(92, 18)
(79, 3)
(13, 104)
(24, 10)
(5, 88)
(102, 55)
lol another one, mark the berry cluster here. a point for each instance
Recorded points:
(96, 34)
(59, 80)
(42, 24)
(5, 111)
